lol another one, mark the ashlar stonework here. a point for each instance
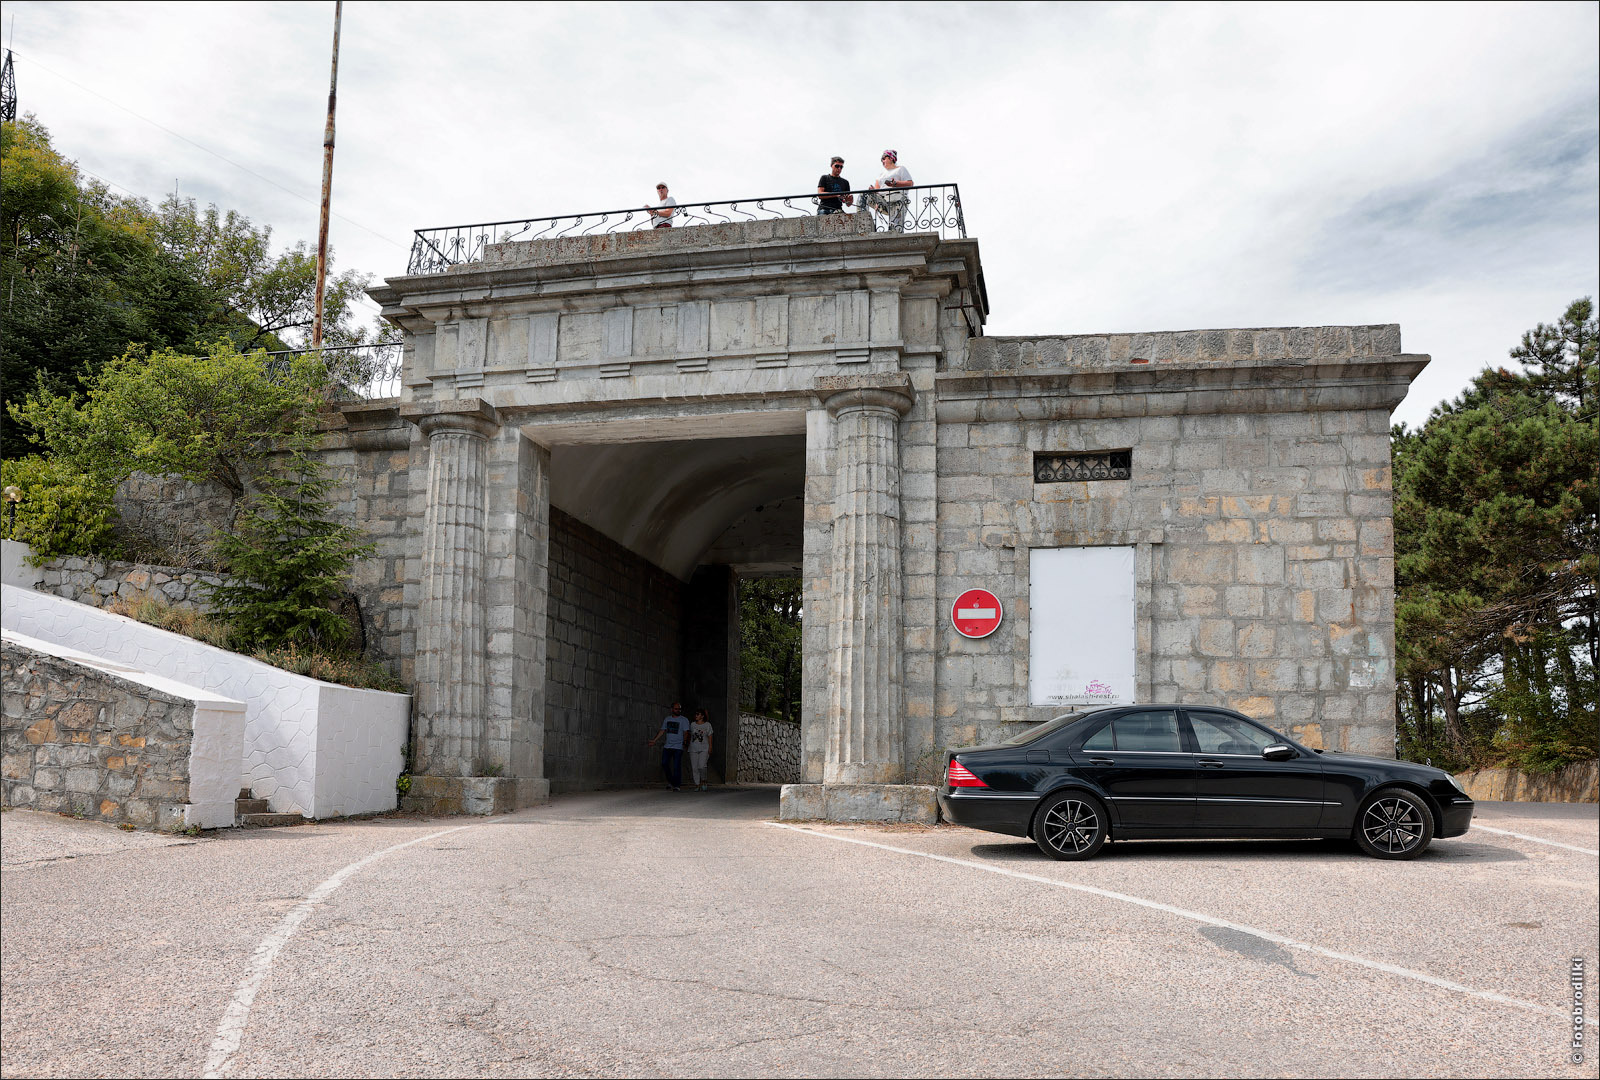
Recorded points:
(597, 436)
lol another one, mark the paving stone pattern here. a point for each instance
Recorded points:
(769, 750)
(81, 741)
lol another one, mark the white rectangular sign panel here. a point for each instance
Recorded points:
(1081, 635)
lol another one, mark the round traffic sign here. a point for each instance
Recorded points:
(976, 613)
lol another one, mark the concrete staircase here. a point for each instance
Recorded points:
(254, 813)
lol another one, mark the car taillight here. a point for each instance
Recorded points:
(958, 775)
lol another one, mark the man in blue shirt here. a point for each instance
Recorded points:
(673, 728)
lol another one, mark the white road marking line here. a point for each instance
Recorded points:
(1155, 905)
(1536, 839)
(231, 1030)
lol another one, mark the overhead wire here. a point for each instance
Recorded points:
(213, 153)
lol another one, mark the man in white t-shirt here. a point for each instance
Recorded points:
(662, 211)
(673, 729)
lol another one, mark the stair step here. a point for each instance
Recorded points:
(264, 820)
(251, 806)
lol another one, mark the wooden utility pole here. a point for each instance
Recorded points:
(327, 183)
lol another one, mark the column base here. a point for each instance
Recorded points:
(916, 803)
(474, 794)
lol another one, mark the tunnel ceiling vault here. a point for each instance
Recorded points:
(670, 502)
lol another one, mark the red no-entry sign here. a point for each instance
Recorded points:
(976, 613)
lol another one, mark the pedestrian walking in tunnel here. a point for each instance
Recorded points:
(699, 748)
(674, 727)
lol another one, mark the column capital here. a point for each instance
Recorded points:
(890, 390)
(469, 416)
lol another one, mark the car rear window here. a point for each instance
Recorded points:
(1047, 728)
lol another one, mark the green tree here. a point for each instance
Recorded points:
(288, 560)
(255, 298)
(210, 418)
(82, 276)
(1496, 539)
(86, 276)
(770, 613)
(61, 512)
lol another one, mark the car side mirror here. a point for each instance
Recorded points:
(1279, 752)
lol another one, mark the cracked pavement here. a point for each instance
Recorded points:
(647, 933)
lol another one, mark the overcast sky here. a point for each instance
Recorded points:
(1124, 167)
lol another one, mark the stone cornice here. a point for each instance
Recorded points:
(865, 261)
(1177, 388)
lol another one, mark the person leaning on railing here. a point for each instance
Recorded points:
(661, 212)
(883, 199)
(829, 186)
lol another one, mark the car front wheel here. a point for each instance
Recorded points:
(1394, 824)
(1071, 825)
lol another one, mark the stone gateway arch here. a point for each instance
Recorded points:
(597, 436)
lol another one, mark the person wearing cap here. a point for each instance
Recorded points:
(829, 185)
(662, 211)
(888, 202)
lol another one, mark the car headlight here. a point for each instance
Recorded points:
(1455, 783)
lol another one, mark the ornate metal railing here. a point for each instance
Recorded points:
(920, 209)
(357, 372)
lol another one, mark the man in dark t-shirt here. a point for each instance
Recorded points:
(829, 185)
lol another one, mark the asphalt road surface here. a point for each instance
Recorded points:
(660, 934)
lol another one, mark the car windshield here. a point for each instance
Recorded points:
(1043, 729)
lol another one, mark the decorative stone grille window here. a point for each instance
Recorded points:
(1081, 466)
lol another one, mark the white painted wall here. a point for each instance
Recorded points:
(14, 568)
(310, 747)
(214, 751)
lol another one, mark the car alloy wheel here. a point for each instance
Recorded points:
(1394, 825)
(1072, 825)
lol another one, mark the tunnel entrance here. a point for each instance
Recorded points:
(649, 541)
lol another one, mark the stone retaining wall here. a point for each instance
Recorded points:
(102, 582)
(1578, 782)
(769, 750)
(85, 742)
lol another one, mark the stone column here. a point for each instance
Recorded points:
(450, 620)
(865, 728)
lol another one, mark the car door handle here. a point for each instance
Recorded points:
(1101, 761)
(1210, 764)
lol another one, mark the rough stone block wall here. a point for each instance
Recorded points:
(80, 741)
(168, 517)
(103, 582)
(371, 468)
(1265, 564)
(614, 659)
(769, 750)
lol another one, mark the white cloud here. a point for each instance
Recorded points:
(1124, 166)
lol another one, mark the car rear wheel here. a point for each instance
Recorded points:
(1394, 824)
(1071, 825)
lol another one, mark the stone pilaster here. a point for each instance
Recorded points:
(450, 674)
(865, 728)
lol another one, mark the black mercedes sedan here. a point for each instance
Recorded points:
(1133, 772)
